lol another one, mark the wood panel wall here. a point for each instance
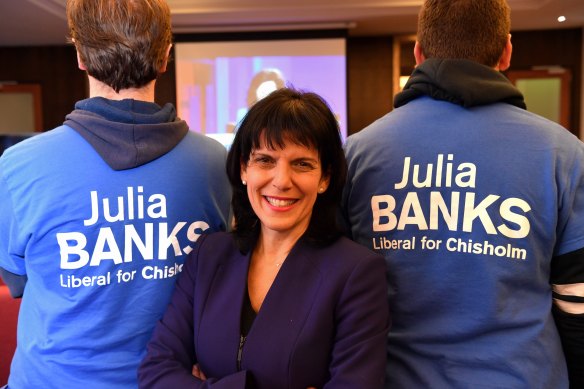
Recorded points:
(370, 87)
(369, 70)
(55, 69)
(552, 48)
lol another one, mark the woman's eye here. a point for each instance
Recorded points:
(263, 160)
(305, 165)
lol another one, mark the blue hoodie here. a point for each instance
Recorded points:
(471, 199)
(99, 214)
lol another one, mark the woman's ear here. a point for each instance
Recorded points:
(243, 173)
(324, 184)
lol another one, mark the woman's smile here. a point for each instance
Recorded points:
(278, 202)
(282, 185)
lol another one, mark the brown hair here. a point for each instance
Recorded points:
(260, 77)
(476, 30)
(122, 43)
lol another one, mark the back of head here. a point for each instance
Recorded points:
(476, 30)
(122, 43)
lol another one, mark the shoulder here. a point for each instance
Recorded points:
(216, 238)
(39, 150)
(346, 268)
(346, 255)
(38, 141)
(375, 139)
(346, 245)
(368, 133)
(205, 145)
(536, 133)
(213, 251)
(217, 244)
(204, 157)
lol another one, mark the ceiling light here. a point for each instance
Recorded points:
(561, 19)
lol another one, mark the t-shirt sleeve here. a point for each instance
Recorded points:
(11, 246)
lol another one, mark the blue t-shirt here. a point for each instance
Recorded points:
(101, 248)
(468, 205)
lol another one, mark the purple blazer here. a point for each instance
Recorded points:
(323, 323)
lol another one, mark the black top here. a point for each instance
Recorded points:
(248, 315)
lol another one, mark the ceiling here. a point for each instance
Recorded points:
(43, 22)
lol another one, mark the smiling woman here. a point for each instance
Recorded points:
(295, 137)
(282, 185)
(287, 301)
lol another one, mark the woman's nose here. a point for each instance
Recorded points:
(282, 179)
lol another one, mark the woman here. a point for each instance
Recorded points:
(283, 301)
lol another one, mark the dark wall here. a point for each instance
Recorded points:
(552, 48)
(369, 73)
(55, 69)
(166, 87)
(370, 86)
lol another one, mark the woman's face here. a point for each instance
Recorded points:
(282, 186)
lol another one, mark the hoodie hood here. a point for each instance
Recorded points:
(127, 133)
(461, 82)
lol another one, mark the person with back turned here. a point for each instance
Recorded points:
(98, 215)
(478, 208)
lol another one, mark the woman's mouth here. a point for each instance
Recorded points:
(276, 202)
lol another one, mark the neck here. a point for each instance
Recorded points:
(273, 248)
(99, 89)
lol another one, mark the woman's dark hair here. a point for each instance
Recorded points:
(304, 118)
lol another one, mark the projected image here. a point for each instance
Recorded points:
(217, 82)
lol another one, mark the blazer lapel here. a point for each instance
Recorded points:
(284, 311)
(219, 329)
